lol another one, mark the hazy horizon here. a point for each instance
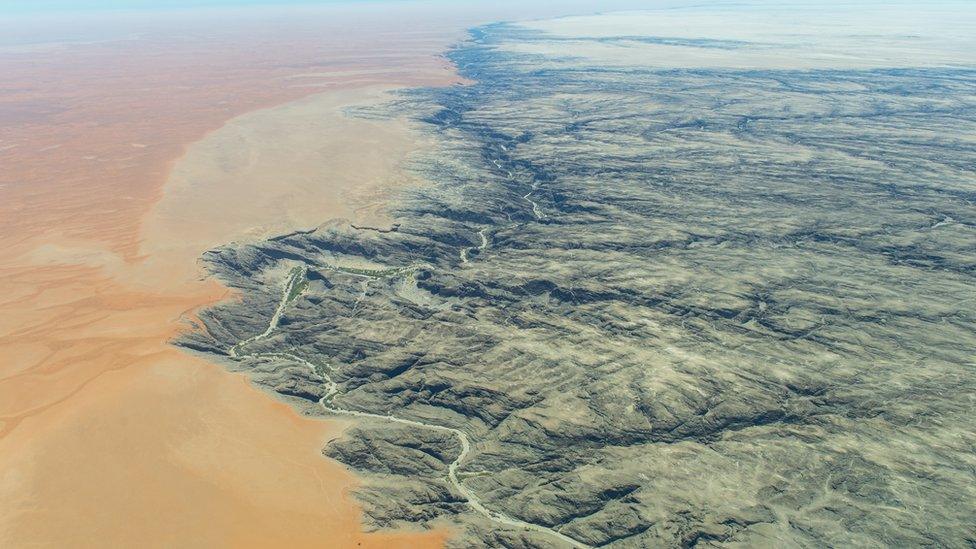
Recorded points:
(46, 6)
(31, 6)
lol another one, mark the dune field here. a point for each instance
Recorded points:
(111, 436)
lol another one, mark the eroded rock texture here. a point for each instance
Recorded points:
(668, 307)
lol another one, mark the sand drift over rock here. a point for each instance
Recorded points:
(665, 306)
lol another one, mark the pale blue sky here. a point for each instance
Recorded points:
(29, 6)
(20, 6)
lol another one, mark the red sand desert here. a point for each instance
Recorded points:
(109, 436)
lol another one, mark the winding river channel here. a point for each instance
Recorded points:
(294, 286)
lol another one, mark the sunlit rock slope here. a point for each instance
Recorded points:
(668, 306)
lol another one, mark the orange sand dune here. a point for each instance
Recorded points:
(108, 435)
(88, 132)
(113, 439)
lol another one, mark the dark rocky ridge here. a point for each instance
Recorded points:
(742, 311)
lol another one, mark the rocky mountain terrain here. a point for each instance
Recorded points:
(664, 307)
